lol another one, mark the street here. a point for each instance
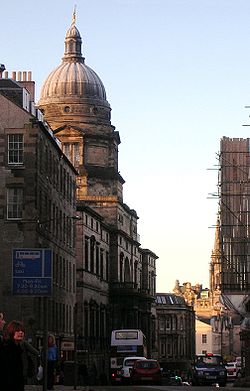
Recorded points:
(228, 387)
(154, 388)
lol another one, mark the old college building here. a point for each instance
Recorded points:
(61, 189)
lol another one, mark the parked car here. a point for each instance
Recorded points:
(146, 371)
(127, 366)
(231, 368)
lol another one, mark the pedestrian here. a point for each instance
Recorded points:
(11, 362)
(83, 374)
(30, 358)
(52, 358)
(92, 374)
(2, 324)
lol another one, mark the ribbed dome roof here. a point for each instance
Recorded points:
(73, 78)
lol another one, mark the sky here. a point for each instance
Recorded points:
(177, 76)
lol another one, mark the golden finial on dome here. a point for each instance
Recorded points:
(74, 16)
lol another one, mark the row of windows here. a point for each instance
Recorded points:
(64, 273)
(125, 244)
(173, 347)
(60, 225)
(126, 272)
(56, 173)
(171, 322)
(133, 273)
(121, 220)
(55, 221)
(49, 166)
(60, 316)
(151, 261)
(96, 226)
(93, 333)
(94, 321)
(96, 258)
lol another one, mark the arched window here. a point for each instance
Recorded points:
(92, 253)
(135, 272)
(127, 274)
(121, 267)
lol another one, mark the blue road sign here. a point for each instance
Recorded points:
(32, 272)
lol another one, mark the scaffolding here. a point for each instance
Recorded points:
(234, 203)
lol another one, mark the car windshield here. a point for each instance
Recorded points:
(130, 362)
(146, 364)
(209, 360)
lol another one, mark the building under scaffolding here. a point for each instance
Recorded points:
(234, 194)
(234, 188)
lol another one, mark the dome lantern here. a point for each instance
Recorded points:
(73, 43)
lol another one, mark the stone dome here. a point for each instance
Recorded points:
(73, 80)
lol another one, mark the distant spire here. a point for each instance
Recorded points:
(74, 16)
(217, 235)
(217, 242)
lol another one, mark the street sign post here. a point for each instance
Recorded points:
(32, 272)
(32, 276)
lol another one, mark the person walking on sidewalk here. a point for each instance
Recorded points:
(52, 360)
(11, 362)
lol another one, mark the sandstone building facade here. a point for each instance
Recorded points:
(115, 276)
(102, 278)
(175, 332)
(37, 210)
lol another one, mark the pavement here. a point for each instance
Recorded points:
(59, 388)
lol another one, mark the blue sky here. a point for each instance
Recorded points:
(177, 76)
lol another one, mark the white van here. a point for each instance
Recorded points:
(127, 365)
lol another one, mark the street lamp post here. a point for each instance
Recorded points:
(75, 346)
(45, 334)
(45, 343)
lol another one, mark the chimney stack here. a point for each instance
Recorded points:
(2, 68)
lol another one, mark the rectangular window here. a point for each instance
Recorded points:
(204, 338)
(86, 254)
(168, 323)
(162, 324)
(66, 150)
(14, 203)
(15, 149)
(72, 151)
(76, 154)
